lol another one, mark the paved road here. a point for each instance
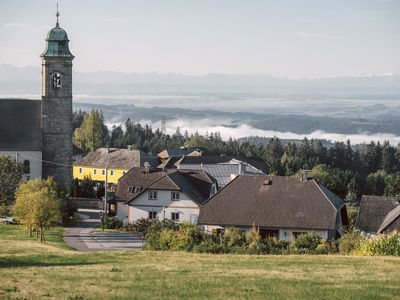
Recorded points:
(82, 236)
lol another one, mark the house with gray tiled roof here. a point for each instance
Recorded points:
(378, 214)
(176, 196)
(279, 206)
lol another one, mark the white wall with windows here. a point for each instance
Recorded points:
(31, 160)
(283, 234)
(160, 204)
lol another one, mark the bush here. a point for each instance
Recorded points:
(211, 245)
(143, 225)
(383, 244)
(350, 241)
(327, 247)
(308, 241)
(68, 209)
(162, 235)
(233, 237)
(276, 246)
(253, 239)
(111, 223)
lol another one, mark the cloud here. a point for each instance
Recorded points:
(14, 26)
(311, 35)
(204, 126)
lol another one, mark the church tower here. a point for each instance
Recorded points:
(57, 107)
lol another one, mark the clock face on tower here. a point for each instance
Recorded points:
(57, 80)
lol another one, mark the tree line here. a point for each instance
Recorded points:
(350, 172)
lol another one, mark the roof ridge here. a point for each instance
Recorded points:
(390, 218)
(329, 200)
(221, 189)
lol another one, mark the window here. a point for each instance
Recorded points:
(175, 216)
(80, 170)
(152, 195)
(152, 215)
(94, 171)
(174, 195)
(213, 189)
(193, 218)
(27, 167)
(103, 172)
(112, 172)
(134, 189)
(267, 233)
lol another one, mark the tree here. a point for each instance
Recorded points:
(375, 183)
(37, 205)
(117, 137)
(393, 185)
(334, 179)
(389, 162)
(92, 134)
(10, 177)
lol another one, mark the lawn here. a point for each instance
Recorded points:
(30, 270)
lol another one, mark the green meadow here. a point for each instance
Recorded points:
(31, 270)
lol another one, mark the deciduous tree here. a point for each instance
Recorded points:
(10, 177)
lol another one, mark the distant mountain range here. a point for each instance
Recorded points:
(16, 80)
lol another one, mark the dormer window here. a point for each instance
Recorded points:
(152, 195)
(175, 196)
(213, 189)
(134, 189)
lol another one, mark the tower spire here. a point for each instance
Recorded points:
(57, 15)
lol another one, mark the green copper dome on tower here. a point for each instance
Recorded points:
(57, 42)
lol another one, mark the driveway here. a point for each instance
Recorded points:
(84, 238)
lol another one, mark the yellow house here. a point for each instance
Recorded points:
(116, 161)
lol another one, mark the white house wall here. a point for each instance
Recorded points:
(122, 211)
(284, 234)
(188, 210)
(34, 158)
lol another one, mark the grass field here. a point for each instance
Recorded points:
(30, 270)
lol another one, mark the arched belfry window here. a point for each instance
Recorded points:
(27, 167)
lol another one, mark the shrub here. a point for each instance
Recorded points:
(276, 246)
(233, 237)
(111, 223)
(350, 241)
(308, 241)
(327, 247)
(253, 238)
(143, 225)
(383, 244)
(68, 209)
(168, 235)
(210, 245)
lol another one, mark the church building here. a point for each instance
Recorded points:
(38, 133)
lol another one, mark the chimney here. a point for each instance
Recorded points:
(146, 167)
(304, 175)
(242, 168)
(267, 182)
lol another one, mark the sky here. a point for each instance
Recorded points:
(294, 39)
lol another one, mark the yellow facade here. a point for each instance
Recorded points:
(98, 174)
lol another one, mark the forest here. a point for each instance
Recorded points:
(350, 172)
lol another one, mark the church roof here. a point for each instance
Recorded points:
(20, 125)
(57, 43)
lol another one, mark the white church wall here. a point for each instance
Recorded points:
(33, 157)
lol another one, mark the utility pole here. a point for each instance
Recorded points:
(105, 192)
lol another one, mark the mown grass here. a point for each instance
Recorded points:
(30, 270)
